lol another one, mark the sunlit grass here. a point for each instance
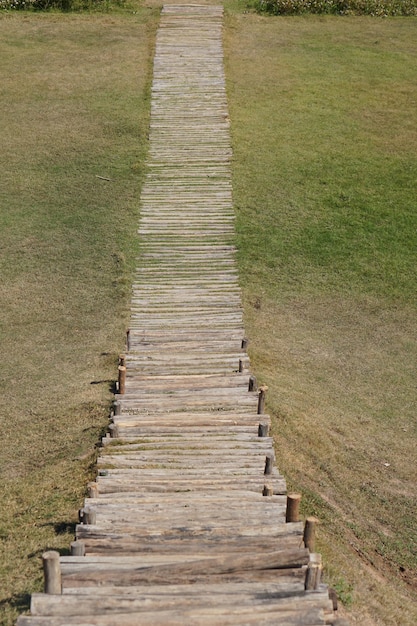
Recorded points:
(323, 124)
(74, 101)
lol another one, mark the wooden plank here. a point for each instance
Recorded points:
(71, 605)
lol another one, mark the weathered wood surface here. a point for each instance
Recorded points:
(186, 520)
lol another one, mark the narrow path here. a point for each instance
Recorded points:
(176, 529)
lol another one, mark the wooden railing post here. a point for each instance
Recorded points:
(52, 572)
(293, 507)
(309, 536)
(261, 399)
(89, 516)
(313, 573)
(92, 490)
(252, 386)
(263, 429)
(269, 464)
(122, 375)
(78, 548)
(113, 430)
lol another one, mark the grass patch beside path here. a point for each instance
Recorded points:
(74, 102)
(324, 122)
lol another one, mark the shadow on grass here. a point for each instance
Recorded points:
(111, 384)
(19, 602)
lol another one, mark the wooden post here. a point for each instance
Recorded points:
(122, 379)
(114, 431)
(293, 507)
(128, 340)
(81, 516)
(103, 472)
(89, 516)
(263, 429)
(78, 548)
(333, 598)
(309, 537)
(267, 490)
(261, 399)
(269, 463)
(313, 573)
(252, 384)
(244, 343)
(52, 572)
(122, 360)
(117, 408)
(240, 366)
(92, 490)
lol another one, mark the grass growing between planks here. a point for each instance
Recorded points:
(74, 102)
(324, 122)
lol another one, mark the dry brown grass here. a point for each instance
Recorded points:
(74, 103)
(324, 170)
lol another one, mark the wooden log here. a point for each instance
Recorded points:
(333, 598)
(77, 548)
(92, 490)
(293, 507)
(175, 573)
(260, 615)
(90, 516)
(252, 386)
(108, 542)
(309, 536)
(122, 379)
(267, 490)
(313, 573)
(52, 572)
(261, 399)
(180, 598)
(269, 464)
(114, 431)
(263, 429)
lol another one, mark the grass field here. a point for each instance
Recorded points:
(74, 101)
(324, 134)
(324, 122)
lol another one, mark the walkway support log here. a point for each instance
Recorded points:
(52, 572)
(309, 537)
(122, 379)
(77, 548)
(261, 399)
(263, 429)
(292, 513)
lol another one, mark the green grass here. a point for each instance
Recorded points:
(376, 8)
(74, 101)
(323, 124)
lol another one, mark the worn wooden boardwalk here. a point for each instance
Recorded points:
(186, 522)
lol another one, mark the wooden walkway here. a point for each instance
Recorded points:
(186, 522)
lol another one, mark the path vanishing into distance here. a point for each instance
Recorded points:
(186, 521)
